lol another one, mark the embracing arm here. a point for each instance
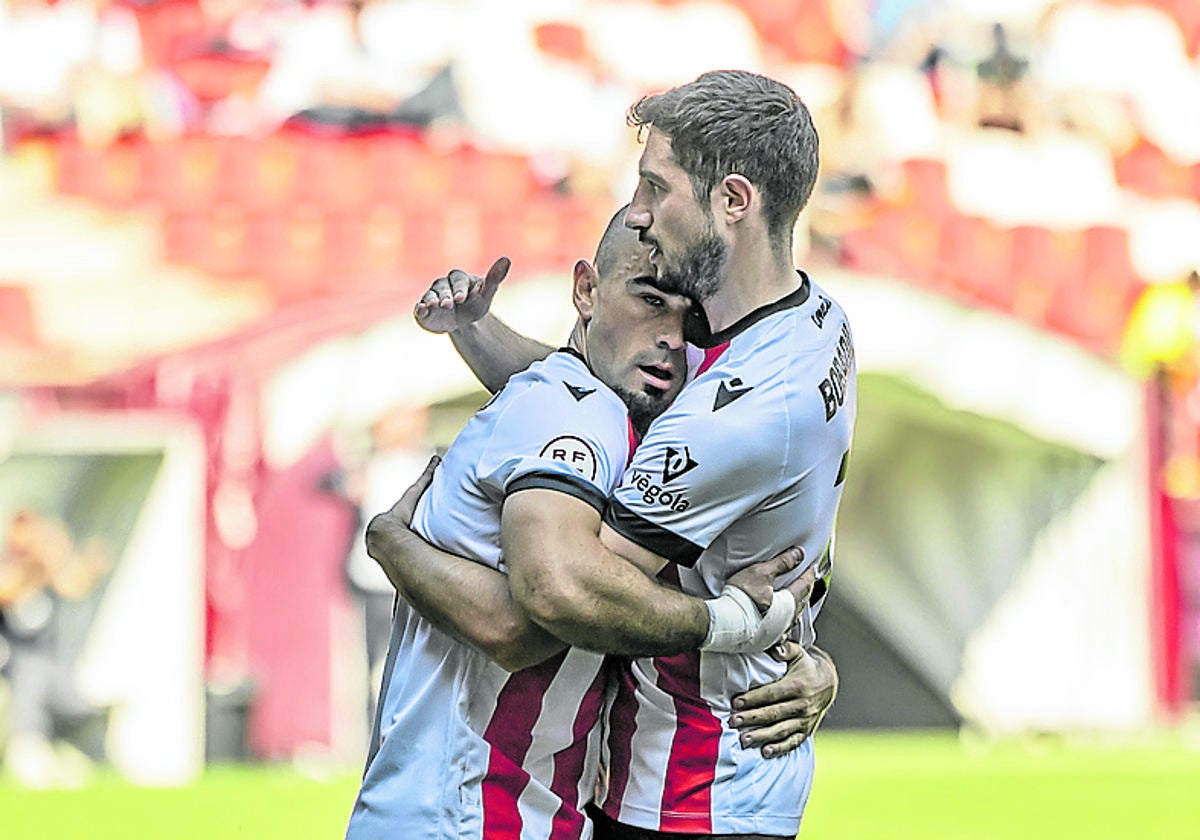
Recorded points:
(587, 593)
(468, 600)
(578, 590)
(564, 585)
(459, 304)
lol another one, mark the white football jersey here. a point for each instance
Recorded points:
(749, 460)
(461, 748)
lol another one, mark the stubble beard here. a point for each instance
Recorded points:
(700, 272)
(643, 407)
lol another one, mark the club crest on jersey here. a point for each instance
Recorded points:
(574, 452)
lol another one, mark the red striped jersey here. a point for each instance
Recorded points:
(461, 748)
(749, 459)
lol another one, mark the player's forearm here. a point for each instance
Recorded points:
(466, 599)
(494, 351)
(606, 604)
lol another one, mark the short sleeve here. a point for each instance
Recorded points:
(550, 437)
(699, 470)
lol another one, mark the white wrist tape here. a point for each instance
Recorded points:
(735, 625)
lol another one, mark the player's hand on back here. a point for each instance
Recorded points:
(459, 298)
(384, 528)
(758, 580)
(778, 717)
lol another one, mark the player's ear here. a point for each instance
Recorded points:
(583, 291)
(736, 196)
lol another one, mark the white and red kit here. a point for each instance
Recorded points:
(749, 460)
(461, 748)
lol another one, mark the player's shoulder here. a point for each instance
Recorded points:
(560, 393)
(773, 378)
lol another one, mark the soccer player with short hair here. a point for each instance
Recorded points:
(749, 459)
(462, 747)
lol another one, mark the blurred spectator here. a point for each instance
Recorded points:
(40, 572)
(1002, 98)
(340, 65)
(398, 453)
(79, 65)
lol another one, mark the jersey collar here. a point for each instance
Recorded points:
(792, 300)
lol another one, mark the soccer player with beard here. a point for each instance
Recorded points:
(749, 459)
(462, 747)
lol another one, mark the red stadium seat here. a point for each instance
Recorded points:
(286, 247)
(1043, 260)
(213, 239)
(211, 77)
(404, 169)
(1148, 170)
(332, 172)
(113, 175)
(926, 188)
(801, 29)
(490, 179)
(17, 322)
(899, 242)
(1095, 309)
(975, 260)
(257, 173)
(182, 174)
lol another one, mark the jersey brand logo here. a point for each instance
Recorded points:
(728, 393)
(677, 463)
(577, 392)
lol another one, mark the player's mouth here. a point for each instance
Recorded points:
(646, 239)
(657, 376)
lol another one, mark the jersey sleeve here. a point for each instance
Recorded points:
(556, 441)
(700, 469)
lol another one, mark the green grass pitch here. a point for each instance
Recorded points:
(891, 787)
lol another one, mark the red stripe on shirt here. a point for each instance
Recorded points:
(692, 766)
(711, 354)
(509, 734)
(622, 723)
(691, 769)
(568, 764)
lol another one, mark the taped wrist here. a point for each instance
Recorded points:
(736, 626)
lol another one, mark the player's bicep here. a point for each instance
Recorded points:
(545, 536)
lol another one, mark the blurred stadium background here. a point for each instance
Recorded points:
(216, 215)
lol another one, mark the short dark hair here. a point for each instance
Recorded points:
(613, 243)
(733, 121)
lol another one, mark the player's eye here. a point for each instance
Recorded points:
(654, 301)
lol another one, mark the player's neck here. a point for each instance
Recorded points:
(755, 278)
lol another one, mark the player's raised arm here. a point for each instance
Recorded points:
(459, 304)
(468, 600)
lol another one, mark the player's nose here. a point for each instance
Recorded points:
(638, 215)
